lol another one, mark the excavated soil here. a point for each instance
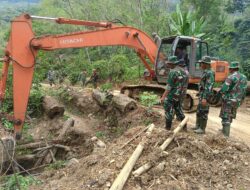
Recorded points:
(190, 162)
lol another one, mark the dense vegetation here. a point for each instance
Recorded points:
(225, 24)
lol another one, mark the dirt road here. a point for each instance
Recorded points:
(240, 128)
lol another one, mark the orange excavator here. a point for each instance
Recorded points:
(23, 46)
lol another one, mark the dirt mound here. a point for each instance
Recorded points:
(192, 162)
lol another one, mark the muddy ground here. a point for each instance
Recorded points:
(192, 161)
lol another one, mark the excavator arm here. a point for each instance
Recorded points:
(23, 46)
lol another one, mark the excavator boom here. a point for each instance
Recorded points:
(23, 47)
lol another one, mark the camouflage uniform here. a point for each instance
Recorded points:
(82, 77)
(205, 91)
(176, 86)
(93, 79)
(51, 77)
(233, 92)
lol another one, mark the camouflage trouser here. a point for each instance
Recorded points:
(170, 106)
(228, 111)
(83, 81)
(202, 111)
(51, 81)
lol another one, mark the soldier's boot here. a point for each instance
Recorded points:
(226, 130)
(197, 125)
(203, 125)
(168, 124)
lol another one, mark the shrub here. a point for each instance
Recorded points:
(148, 99)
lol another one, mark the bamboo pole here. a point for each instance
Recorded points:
(165, 144)
(126, 170)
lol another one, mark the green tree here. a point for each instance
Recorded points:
(185, 23)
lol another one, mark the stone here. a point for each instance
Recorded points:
(73, 162)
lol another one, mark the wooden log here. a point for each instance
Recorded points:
(66, 126)
(52, 107)
(123, 103)
(126, 170)
(165, 144)
(102, 98)
(27, 157)
(33, 145)
(7, 150)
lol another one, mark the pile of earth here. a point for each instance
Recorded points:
(190, 162)
(193, 162)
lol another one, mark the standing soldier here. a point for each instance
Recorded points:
(83, 77)
(156, 39)
(93, 78)
(51, 77)
(205, 91)
(233, 92)
(175, 89)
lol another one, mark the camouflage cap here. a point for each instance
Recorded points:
(234, 65)
(173, 60)
(205, 59)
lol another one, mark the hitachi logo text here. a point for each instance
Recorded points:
(71, 41)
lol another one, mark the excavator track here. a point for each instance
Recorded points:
(189, 104)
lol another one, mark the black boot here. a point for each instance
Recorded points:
(168, 124)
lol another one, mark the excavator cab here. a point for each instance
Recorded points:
(188, 51)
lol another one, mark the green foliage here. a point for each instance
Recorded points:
(57, 165)
(24, 182)
(186, 23)
(99, 134)
(7, 124)
(149, 99)
(65, 117)
(107, 86)
(35, 100)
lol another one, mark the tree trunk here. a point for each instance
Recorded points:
(102, 98)
(52, 107)
(123, 103)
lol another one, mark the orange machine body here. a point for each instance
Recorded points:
(23, 46)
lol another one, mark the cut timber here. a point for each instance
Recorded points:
(165, 144)
(7, 148)
(68, 124)
(123, 103)
(52, 107)
(126, 170)
(102, 98)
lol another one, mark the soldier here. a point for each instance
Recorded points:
(156, 39)
(82, 77)
(175, 89)
(233, 92)
(51, 77)
(205, 91)
(94, 78)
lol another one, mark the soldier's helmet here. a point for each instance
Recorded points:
(173, 60)
(154, 34)
(234, 65)
(205, 59)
